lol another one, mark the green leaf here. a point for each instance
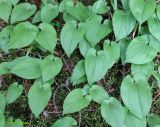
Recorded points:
(7, 30)
(62, 6)
(49, 12)
(39, 92)
(125, 4)
(71, 103)
(78, 11)
(98, 94)
(2, 103)
(145, 69)
(28, 68)
(123, 48)
(136, 95)
(133, 121)
(47, 37)
(65, 122)
(50, 67)
(3, 70)
(139, 51)
(79, 74)
(142, 9)
(153, 120)
(112, 50)
(153, 42)
(28, 33)
(84, 46)
(22, 12)
(112, 112)
(67, 17)
(154, 26)
(95, 31)
(123, 23)
(95, 65)
(5, 9)
(37, 17)
(14, 92)
(14, 2)
(4, 38)
(13, 123)
(6, 67)
(100, 7)
(11, 64)
(70, 37)
(158, 11)
(2, 119)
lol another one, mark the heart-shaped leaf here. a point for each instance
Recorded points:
(133, 121)
(123, 48)
(95, 65)
(71, 103)
(78, 11)
(123, 24)
(5, 9)
(2, 119)
(50, 67)
(39, 92)
(95, 31)
(112, 112)
(79, 74)
(84, 46)
(112, 50)
(11, 64)
(153, 120)
(14, 92)
(100, 7)
(71, 36)
(22, 12)
(136, 95)
(142, 9)
(28, 68)
(47, 37)
(98, 94)
(49, 12)
(6, 67)
(154, 26)
(139, 51)
(2, 102)
(28, 33)
(65, 122)
(4, 38)
(145, 69)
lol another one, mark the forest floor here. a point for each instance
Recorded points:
(89, 117)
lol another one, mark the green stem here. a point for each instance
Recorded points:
(29, 50)
(135, 29)
(139, 29)
(115, 5)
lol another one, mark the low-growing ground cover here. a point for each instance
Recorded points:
(79, 63)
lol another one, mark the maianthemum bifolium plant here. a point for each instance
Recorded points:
(134, 28)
